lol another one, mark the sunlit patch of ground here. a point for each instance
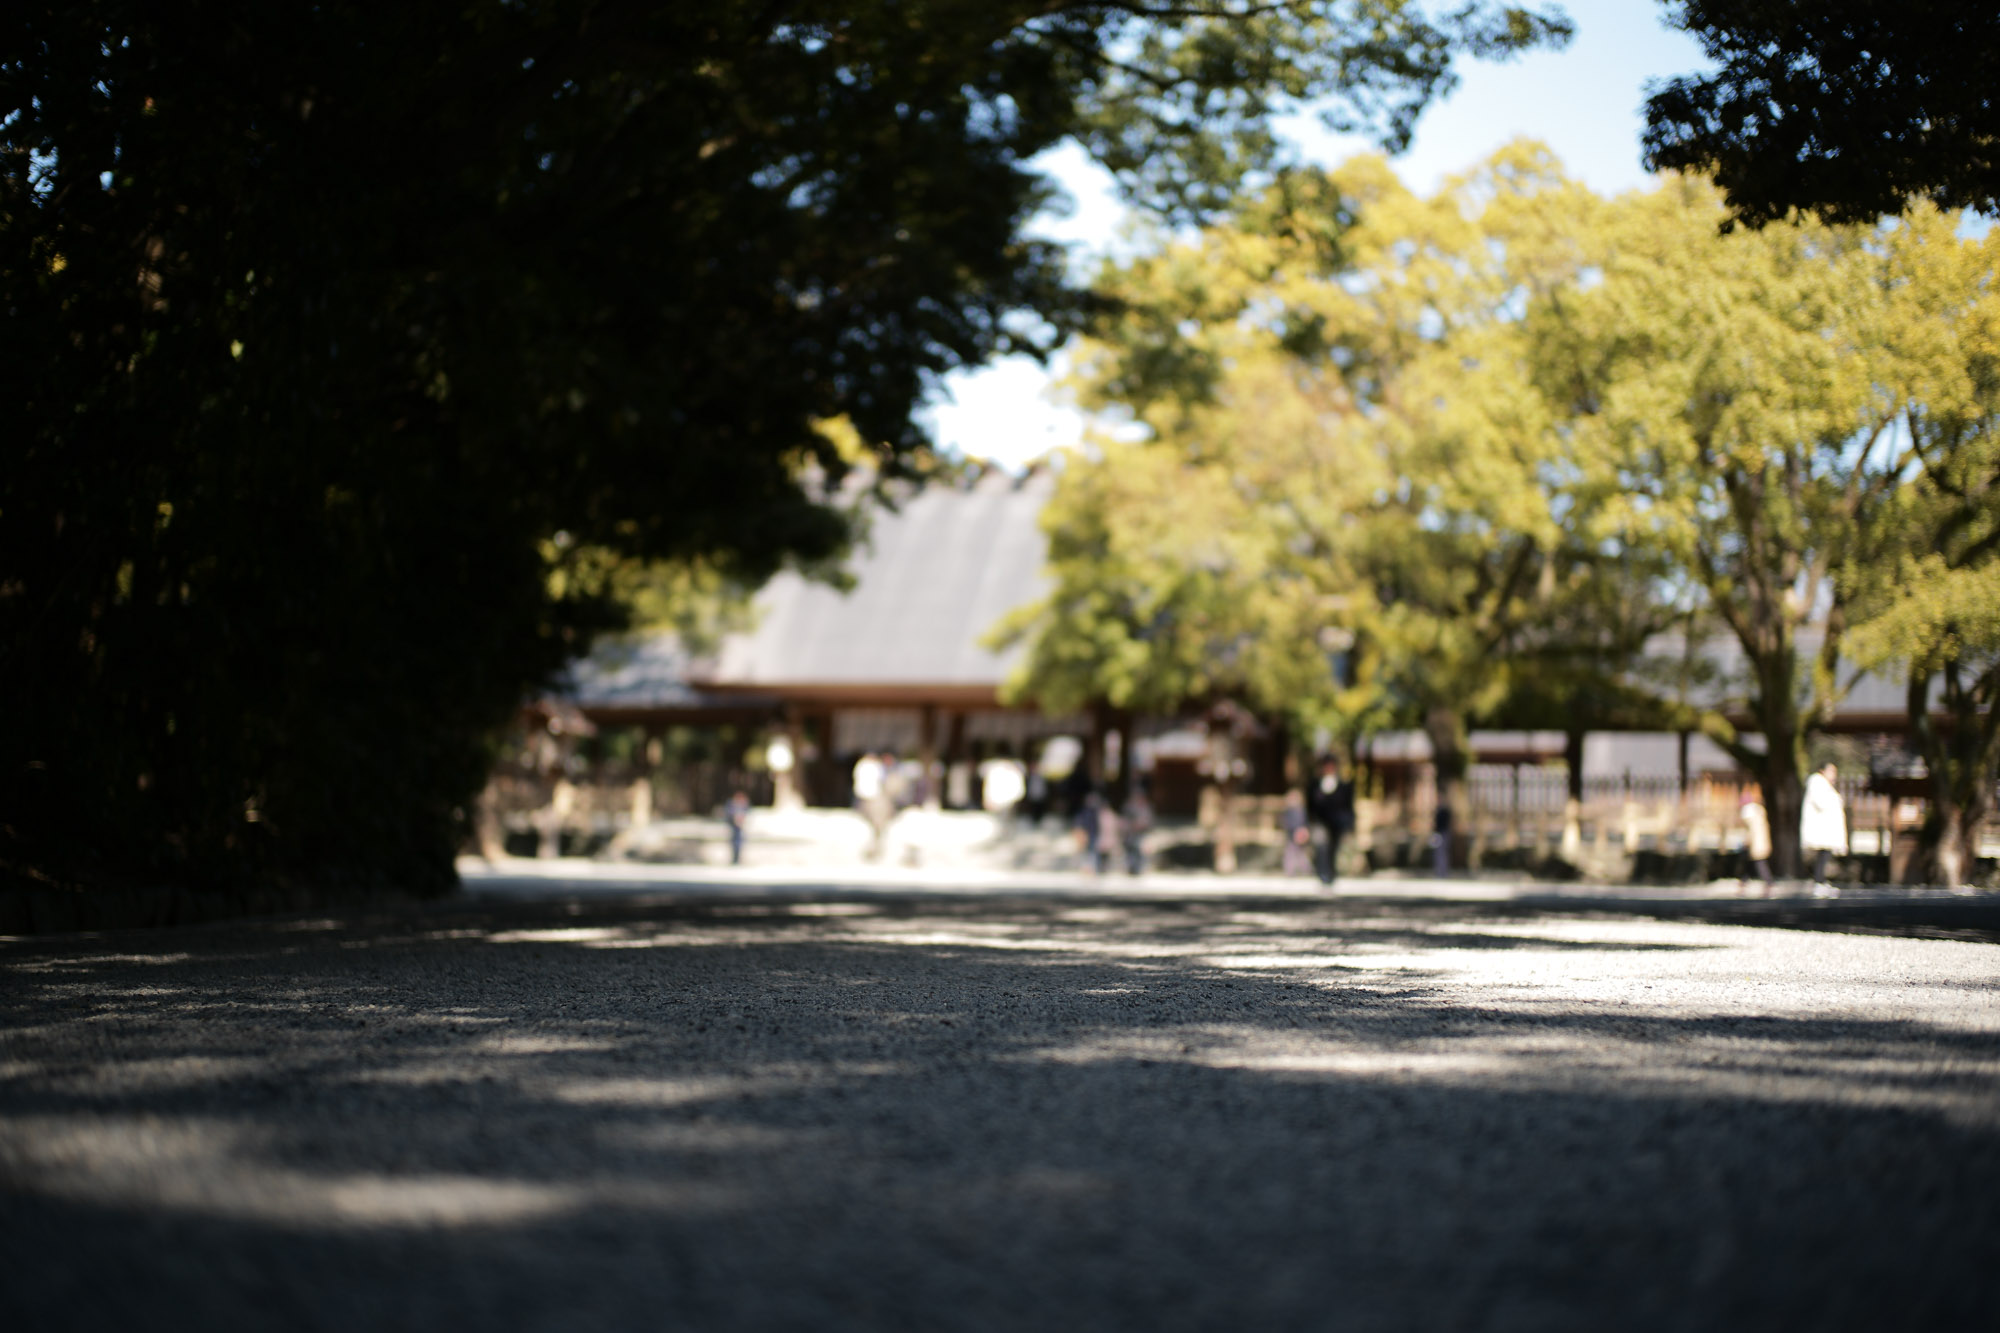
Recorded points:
(1001, 1113)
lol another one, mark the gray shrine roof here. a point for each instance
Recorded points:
(1725, 681)
(931, 578)
(930, 581)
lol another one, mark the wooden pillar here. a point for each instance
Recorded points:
(492, 836)
(1515, 818)
(645, 755)
(562, 803)
(1630, 818)
(1120, 785)
(822, 778)
(955, 758)
(1222, 754)
(1093, 748)
(927, 755)
(1572, 832)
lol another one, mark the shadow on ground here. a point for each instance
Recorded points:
(969, 1115)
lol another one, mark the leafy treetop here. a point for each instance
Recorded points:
(1848, 108)
(350, 347)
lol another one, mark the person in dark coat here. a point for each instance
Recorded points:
(1330, 802)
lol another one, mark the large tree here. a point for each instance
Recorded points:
(1498, 438)
(1850, 108)
(1748, 390)
(1931, 606)
(343, 341)
(1376, 516)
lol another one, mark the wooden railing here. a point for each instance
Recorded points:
(1516, 815)
(554, 813)
(1529, 811)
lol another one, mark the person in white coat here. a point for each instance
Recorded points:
(1822, 823)
(871, 797)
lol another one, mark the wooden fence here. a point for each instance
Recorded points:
(1517, 815)
(1525, 814)
(532, 813)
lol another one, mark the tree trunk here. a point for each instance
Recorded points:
(1783, 771)
(1937, 858)
(1962, 765)
(1118, 787)
(1450, 757)
(1975, 804)
(1781, 774)
(1971, 816)
(1941, 845)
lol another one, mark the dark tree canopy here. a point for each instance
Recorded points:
(1849, 108)
(329, 330)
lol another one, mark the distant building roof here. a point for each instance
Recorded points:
(933, 577)
(648, 674)
(1874, 699)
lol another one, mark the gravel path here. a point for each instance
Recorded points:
(982, 1112)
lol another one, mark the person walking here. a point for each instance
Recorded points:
(1757, 835)
(1297, 830)
(1441, 825)
(1035, 799)
(1089, 821)
(736, 810)
(1138, 819)
(871, 797)
(1003, 785)
(1823, 827)
(1331, 804)
(1110, 836)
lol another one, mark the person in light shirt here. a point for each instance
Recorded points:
(871, 798)
(1823, 826)
(1002, 784)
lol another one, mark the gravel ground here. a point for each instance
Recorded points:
(926, 1112)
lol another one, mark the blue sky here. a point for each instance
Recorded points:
(1585, 102)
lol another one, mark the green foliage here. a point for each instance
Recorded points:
(1183, 110)
(1747, 389)
(1931, 605)
(693, 599)
(1152, 573)
(1354, 508)
(358, 355)
(1492, 442)
(1849, 108)
(1933, 602)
